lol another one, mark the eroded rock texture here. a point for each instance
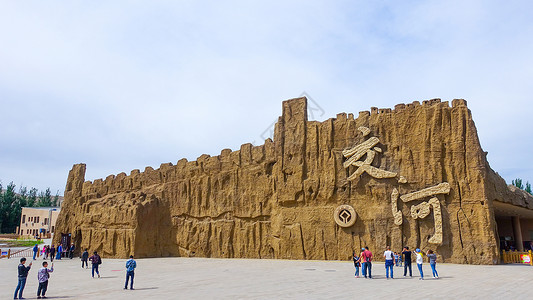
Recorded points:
(415, 176)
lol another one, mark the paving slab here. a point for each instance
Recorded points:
(208, 278)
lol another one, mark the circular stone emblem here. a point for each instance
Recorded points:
(345, 216)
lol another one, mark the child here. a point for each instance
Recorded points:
(419, 261)
(396, 258)
(357, 264)
(400, 259)
(43, 276)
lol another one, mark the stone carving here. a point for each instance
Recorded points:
(422, 210)
(398, 218)
(442, 188)
(276, 200)
(345, 216)
(369, 148)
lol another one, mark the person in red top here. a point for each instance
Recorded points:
(366, 256)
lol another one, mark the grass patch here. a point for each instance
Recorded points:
(22, 242)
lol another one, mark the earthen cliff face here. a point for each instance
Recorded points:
(425, 175)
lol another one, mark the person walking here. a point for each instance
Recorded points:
(22, 276)
(71, 251)
(419, 262)
(35, 251)
(130, 272)
(357, 264)
(433, 263)
(52, 253)
(84, 257)
(43, 275)
(407, 262)
(389, 263)
(367, 255)
(96, 260)
(59, 250)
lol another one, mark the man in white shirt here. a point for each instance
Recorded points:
(389, 262)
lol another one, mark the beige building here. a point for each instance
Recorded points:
(38, 221)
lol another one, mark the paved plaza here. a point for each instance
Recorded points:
(202, 278)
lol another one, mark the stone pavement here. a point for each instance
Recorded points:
(202, 278)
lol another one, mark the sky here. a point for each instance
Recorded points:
(121, 85)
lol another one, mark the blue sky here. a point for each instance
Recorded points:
(126, 84)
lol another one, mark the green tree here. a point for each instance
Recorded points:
(8, 209)
(31, 200)
(528, 188)
(518, 183)
(45, 198)
(2, 209)
(55, 201)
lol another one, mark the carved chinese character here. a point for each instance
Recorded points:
(422, 210)
(369, 149)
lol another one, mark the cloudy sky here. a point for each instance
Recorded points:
(121, 85)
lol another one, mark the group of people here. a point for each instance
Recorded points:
(364, 259)
(54, 252)
(43, 275)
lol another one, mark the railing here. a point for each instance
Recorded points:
(28, 252)
(515, 257)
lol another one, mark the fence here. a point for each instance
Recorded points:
(28, 252)
(515, 257)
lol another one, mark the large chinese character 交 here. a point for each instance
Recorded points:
(369, 148)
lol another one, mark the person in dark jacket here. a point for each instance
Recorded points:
(71, 251)
(407, 262)
(84, 258)
(52, 252)
(95, 262)
(23, 275)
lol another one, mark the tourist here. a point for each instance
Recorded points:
(367, 262)
(23, 275)
(35, 251)
(71, 251)
(96, 260)
(396, 258)
(389, 263)
(419, 261)
(52, 253)
(357, 264)
(47, 251)
(43, 276)
(59, 251)
(130, 272)
(363, 262)
(399, 261)
(407, 262)
(433, 263)
(84, 257)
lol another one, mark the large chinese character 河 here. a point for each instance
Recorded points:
(422, 210)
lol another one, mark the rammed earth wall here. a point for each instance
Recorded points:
(277, 200)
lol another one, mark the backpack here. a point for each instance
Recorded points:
(99, 260)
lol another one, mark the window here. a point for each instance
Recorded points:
(45, 221)
(30, 219)
(52, 229)
(23, 218)
(36, 219)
